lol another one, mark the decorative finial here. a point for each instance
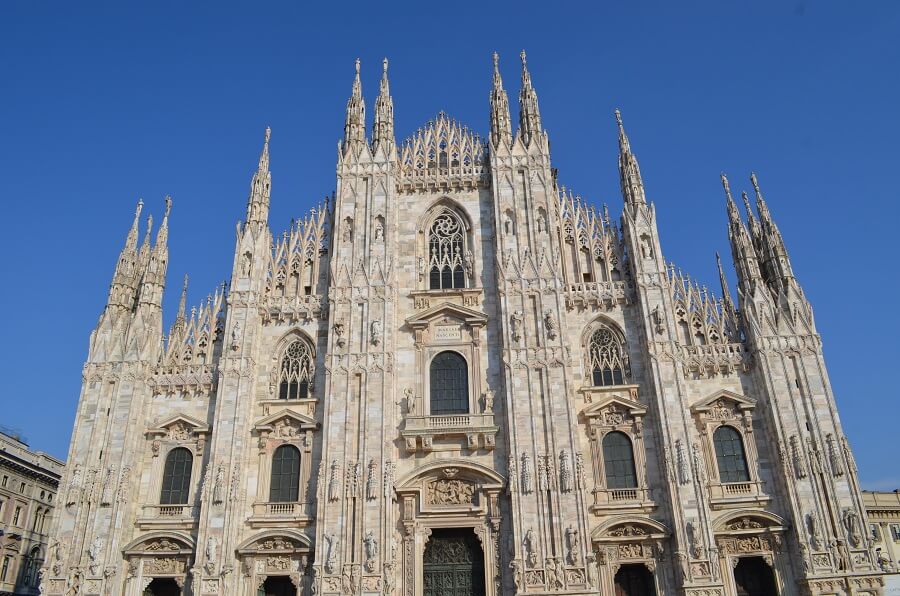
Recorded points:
(755, 182)
(725, 184)
(268, 134)
(618, 117)
(384, 65)
(522, 56)
(168, 206)
(496, 61)
(357, 66)
(140, 206)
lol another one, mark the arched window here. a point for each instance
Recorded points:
(730, 455)
(295, 371)
(176, 482)
(449, 384)
(285, 485)
(618, 461)
(446, 252)
(606, 358)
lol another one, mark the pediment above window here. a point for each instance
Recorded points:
(724, 405)
(600, 394)
(285, 424)
(179, 428)
(449, 312)
(613, 409)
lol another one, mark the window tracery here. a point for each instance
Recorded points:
(446, 252)
(607, 361)
(295, 371)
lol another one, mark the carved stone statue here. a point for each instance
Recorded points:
(515, 323)
(334, 483)
(330, 544)
(851, 522)
(376, 332)
(572, 545)
(550, 324)
(565, 472)
(219, 486)
(681, 459)
(370, 543)
(470, 265)
(527, 478)
(488, 401)
(95, 552)
(372, 481)
(518, 575)
(338, 328)
(528, 543)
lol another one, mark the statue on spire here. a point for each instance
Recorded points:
(629, 171)
(529, 113)
(260, 186)
(355, 122)
(383, 127)
(501, 128)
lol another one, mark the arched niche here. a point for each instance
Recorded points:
(627, 540)
(275, 553)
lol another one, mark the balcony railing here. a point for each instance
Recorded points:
(461, 422)
(419, 432)
(293, 509)
(169, 511)
(731, 494)
(637, 498)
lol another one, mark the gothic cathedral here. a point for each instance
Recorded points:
(456, 378)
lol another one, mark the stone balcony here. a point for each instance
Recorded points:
(729, 495)
(294, 514)
(168, 516)
(633, 500)
(479, 430)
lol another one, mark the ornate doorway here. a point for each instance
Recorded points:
(753, 577)
(163, 587)
(453, 564)
(634, 580)
(279, 585)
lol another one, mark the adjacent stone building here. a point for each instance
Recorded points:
(457, 377)
(29, 483)
(883, 509)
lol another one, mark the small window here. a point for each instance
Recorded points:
(895, 532)
(294, 372)
(449, 384)
(875, 532)
(5, 481)
(285, 486)
(730, 455)
(176, 482)
(22, 488)
(16, 515)
(618, 461)
(7, 561)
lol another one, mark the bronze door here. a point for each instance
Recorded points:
(453, 564)
(634, 580)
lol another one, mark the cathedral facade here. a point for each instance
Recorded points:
(455, 377)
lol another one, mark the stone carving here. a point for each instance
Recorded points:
(353, 479)
(834, 457)
(164, 566)
(210, 553)
(565, 472)
(694, 539)
(550, 324)
(107, 493)
(530, 548)
(450, 492)
(797, 458)
(236, 336)
(579, 470)
(698, 462)
(554, 571)
(390, 577)
(470, 266)
(219, 486)
(627, 530)
(234, 493)
(330, 544)
(73, 491)
(379, 230)
(338, 329)
(124, 485)
(852, 524)
(681, 460)
(372, 481)
(334, 483)
(389, 468)
(745, 523)
(527, 483)
(543, 472)
(515, 325)
(488, 397)
(95, 552)
(572, 545)
(512, 479)
(370, 545)
(375, 332)
(517, 574)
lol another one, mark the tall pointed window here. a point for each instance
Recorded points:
(446, 252)
(606, 358)
(449, 384)
(294, 373)
(618, 461)
(285, 485)
(176, 483)
(730, 455)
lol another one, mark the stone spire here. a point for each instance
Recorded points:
(123, 288)
(162, 236)
(180, 318)
(629, 171)
(723, 282)
(260, 186)
(746, 261)
(778, 264)
(355, 123)
(383, 128)
(529, 113)
(501, 128)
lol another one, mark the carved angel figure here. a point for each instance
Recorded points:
(515, 324)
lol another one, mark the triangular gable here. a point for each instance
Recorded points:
(195, 426)
(270, 422)
(742, 402)
(634, 408)
(467, 315)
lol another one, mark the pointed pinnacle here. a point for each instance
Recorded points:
(747, 205)
(183, 300)
(131, 239)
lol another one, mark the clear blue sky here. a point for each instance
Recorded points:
(103, 103)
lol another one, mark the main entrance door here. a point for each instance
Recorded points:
(277, 585)
(634, 580)
(163, 587)
(753, 577)
(453, 564)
